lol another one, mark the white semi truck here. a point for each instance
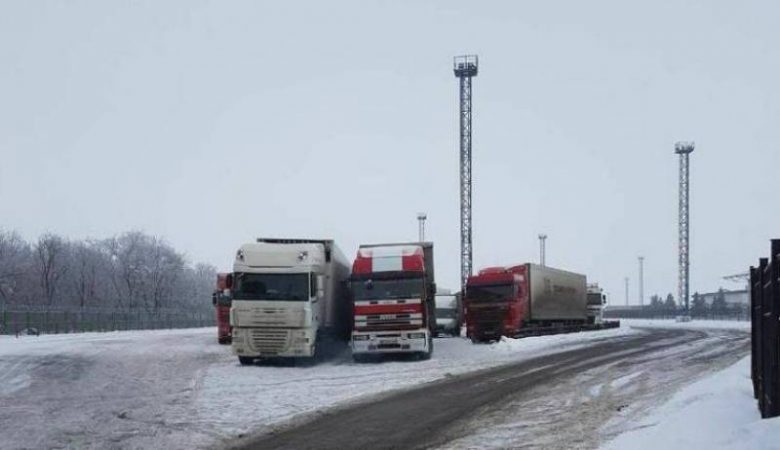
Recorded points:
(289, 296)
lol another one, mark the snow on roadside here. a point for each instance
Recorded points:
(695, 324)
(240, 399)
(718, 412)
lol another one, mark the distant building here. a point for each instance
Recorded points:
(733, 298)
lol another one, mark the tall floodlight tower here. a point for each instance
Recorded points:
(683, 149)
(641, 280)
(542, 249)
(465, 67)
(421, 217)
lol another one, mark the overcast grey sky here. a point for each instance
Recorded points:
(211, 123)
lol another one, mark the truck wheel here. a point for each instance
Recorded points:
(246, 360)
(424, 356)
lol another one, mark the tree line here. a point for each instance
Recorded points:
(699, 305)
(131, 271)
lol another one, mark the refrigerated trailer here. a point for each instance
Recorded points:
(527, 299)
(289, 297)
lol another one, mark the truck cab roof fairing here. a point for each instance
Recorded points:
(389, 259)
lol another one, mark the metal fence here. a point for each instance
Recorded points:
(654, 313)
(26, 321)
(765, 348)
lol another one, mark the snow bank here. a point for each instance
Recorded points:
(718, 412)
(692, 325)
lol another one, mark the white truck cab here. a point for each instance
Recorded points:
(287, 297)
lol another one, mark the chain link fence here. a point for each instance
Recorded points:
(30, 321)
(741, 314)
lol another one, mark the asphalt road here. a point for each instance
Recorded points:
(562, 400)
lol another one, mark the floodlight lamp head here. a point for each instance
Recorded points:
(684, 147)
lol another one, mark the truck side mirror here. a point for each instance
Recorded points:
(320, 286)
(229, 281)
(214, 299)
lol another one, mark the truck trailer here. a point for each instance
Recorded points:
(526, 299)
(222, 300)
(393, 290)
(289, 297)
(449, 313)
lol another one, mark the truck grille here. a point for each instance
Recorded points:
(269, 342)
(487, 319)
(276, 317)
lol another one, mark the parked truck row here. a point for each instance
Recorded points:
(529, 300)
(288, 297)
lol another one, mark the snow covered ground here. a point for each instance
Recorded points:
(603, 400)
(180, 389)
(718, 412)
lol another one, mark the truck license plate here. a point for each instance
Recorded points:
(386, 316)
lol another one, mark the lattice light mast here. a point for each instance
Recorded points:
(421, 218)
(465, 68)
(684, 149)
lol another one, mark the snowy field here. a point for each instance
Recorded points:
(718, 412)
(180, 389)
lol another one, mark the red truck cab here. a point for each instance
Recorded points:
(496, 302)
(222, 300)
(393, 290)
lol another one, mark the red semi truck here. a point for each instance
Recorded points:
(526, 299)
(393, 290)
(222, 300)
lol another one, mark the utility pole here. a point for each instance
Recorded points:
(542, 249)
(684, 149)
(626, 279)
(465, 67)
(421, 217)
(641, 281)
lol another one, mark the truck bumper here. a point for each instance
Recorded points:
(376, 342)
(273, 342)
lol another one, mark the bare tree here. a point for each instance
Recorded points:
(86, 262)
(14, 264)
(50, 252)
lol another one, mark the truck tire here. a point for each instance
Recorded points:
(424, 356)
(246, 360)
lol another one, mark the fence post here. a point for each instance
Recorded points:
(755, 306)
(774, 303)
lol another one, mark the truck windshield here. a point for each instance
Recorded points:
(271, 286)
(385, 289)
(489, 293)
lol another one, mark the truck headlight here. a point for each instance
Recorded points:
(360, 337)
(415, 336)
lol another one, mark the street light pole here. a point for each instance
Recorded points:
(421, 217)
